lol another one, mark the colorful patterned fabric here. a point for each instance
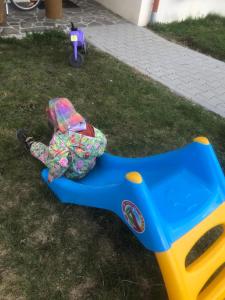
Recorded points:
(64, 116)
(75, 144)
(70, 154)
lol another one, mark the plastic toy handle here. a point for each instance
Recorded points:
(134, 177)
(73, 28)
(201, 140)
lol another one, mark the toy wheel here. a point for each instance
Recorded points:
(84, 49)
(76, 63)
(26, 4)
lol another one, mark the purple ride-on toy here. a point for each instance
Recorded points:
(79, 45)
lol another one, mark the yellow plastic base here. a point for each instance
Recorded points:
(186, 283)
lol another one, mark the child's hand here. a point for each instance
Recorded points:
(50, 178)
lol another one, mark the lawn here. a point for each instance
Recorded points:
(206, 35)
(53, 251)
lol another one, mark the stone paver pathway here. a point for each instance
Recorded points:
(188, 73)
(86, 13)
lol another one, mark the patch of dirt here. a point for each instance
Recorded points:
(82, 290)
(3, 251)
(105, 252)
(44, 233)
(27, 106)
(9, 286)
(73, 232)
(12, 194)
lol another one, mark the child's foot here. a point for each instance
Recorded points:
(24, 139)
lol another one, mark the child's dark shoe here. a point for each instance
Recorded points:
(24, 138)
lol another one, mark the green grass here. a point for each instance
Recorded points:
(206, 35)
(53, 251)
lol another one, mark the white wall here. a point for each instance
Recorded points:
(145, 12)
(177, 10)
(139, 11)
(128, 9)
(135, 11)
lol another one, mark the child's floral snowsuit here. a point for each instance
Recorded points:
(70, 153)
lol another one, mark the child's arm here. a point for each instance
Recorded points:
(100, 143)
(95, 147)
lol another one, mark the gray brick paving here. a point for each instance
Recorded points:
(188, 73)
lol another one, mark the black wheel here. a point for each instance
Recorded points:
(84, 49)
(26, 4)
(76, 63)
